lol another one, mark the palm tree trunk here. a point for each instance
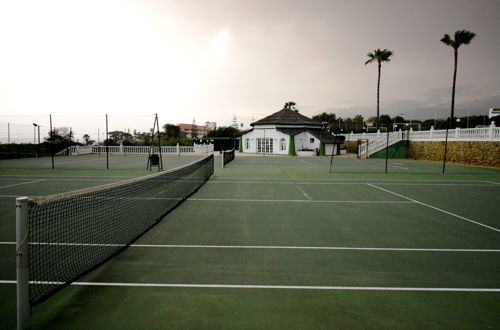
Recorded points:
(378, 96)
(452, 115)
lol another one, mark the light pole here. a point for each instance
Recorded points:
(34, 138)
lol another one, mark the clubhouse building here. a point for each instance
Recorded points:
(287, 132)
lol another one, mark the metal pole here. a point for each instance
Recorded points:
(34, 140)
(98, 143)
(51, 141)
(386, 151)
(38, 147)
(8, 133)
(445, 149)
(107, 144)
(159, 141)
(333, 152)
(22, 263)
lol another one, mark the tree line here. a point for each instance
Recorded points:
(170, 135)
(357, 124)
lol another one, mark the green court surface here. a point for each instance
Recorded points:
(281, 243)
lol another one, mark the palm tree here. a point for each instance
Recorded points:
(86, 138)
(462, 37)
(379, 56)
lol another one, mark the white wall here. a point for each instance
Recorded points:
(268, 132)
(328, 149)
(303, 141)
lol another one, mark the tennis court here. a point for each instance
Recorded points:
(279, 242)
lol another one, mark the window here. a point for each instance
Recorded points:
(282, 144)
(269, 146)
(247, 143)
(265, 145)
(311, 140)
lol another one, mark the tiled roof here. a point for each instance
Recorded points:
(286, 117)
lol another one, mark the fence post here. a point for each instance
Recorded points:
(456, 132)
(22, 263)
(431, 133)
(490, 131)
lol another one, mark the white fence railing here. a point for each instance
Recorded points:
(136, 150)
(378, 141)
(372, 146)
(490, 133)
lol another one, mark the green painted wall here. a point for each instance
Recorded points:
(322, 149)
(291, 146)
(397, 150)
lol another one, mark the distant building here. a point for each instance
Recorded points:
(188, 129)
(287, 132)
(211, 125)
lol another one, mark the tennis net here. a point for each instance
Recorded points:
(227, 157)
(68, 235)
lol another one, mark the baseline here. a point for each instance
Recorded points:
(256, 286)
(18, 184)
(342, 248)
(295, 201)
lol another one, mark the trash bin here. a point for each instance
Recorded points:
(154, 160)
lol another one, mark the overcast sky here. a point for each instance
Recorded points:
(210, 60)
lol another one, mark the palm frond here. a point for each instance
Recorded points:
(463, 37)
(379, 55)
(446, 40)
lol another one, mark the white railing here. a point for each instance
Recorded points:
(491, 133)
(372, 146)
(136, 150)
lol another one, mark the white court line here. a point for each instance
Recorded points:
(303, 192)
(16, 196)
(493, 183)
(68, 179)
(398, 166)
(294, 200)
(362, 180)
(18, 184)
(77, 161)
(256, 286)
(269, 247)
(309, 162)
(69, 176)
(110, 198)
(353, 183)
(436, 208)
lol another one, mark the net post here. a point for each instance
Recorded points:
(22, 266)
(107, 144)
(222, 158)
(445, 151)
(386, 151)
